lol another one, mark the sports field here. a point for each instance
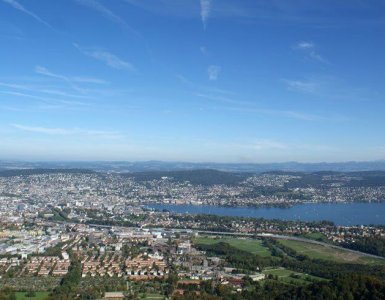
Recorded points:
(327, 253)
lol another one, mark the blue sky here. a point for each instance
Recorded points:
(192, 80)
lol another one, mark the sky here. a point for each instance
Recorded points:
(192, 80)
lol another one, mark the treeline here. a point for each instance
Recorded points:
(228, 220)
(345, 287)
(7, 294)
(375, 246)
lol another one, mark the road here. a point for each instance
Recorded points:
(250, 235)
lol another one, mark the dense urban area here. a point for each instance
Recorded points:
(78, 234)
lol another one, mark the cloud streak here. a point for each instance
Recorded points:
(220, 98)
(268, 145)
(44, 71)
(206, 6)
(67, 131)
(107, 13)
(302, 116)
(107, 58)
(100, 8)
(19, 7)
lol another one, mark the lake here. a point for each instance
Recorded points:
(339, 213)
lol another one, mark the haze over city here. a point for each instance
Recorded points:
(221, 81)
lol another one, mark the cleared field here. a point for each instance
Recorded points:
(153, 296)
(250, 245)
(292, 277)
(328, 253)
(38, 296)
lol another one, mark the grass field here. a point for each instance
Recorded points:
(292, 277)
(328, 253)
(250, 245)
(317, 236)
(39, 296)
(153, 296)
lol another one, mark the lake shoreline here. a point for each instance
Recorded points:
(340, 213)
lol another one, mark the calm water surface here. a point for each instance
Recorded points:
(339, 213)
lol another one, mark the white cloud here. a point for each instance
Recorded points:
(213, 72)
(205, 11)
(18, 6)
(68, 131)
(109, 59)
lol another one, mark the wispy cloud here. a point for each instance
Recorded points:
(107, 13)
(305, 45)
(205, 11)
(68, 131)
(107, 58)
(48, 102)
(44, 71)
(97, 6)
(301, 86)
(19, 94)
(309, 48)
(40, 89)
(316, 56)
(18, 6)
(72, 81)
(303, 116)
(213, 72)
(89, 80)
(268, 145)
(204, 50)
(220, 98)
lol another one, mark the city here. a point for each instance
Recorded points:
(56, 222)
(192, 150)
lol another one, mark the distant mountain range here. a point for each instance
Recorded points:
(144, 166)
